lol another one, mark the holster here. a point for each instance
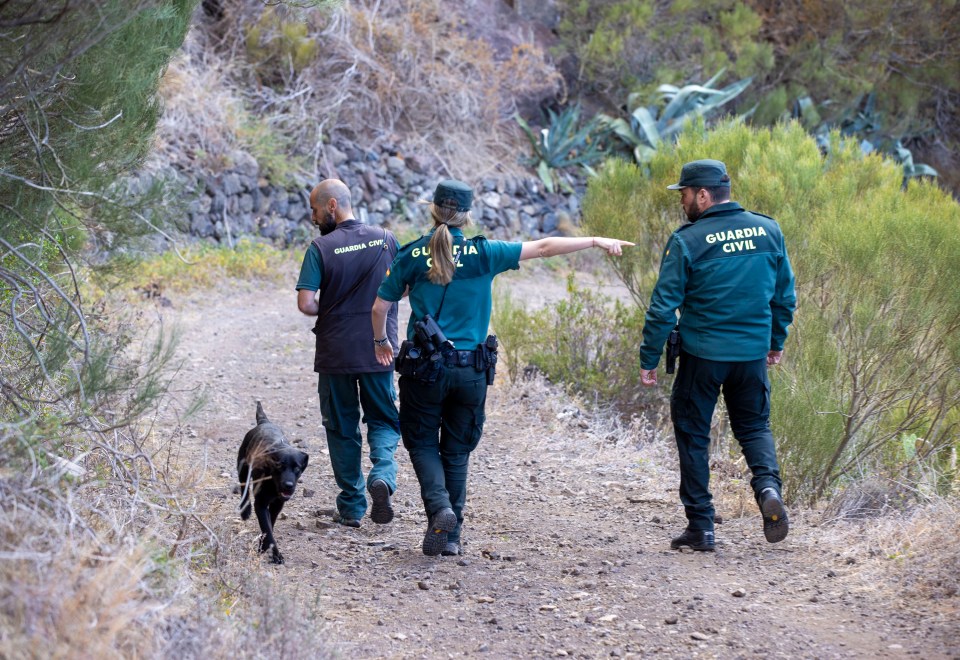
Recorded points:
(486, 358)
(673, 349)
(413, 363)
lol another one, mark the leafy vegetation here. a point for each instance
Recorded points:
(647, 127)
(579, 341)
(872, 356)
(564, 143)
(903, 52)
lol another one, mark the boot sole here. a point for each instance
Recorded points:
(435, 539)
(382, 510)
(698, 548)
(776, 523)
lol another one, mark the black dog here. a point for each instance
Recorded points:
(269, 468)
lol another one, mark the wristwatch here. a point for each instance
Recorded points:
(381, 342)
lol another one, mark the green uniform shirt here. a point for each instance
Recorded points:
(729, 274)
(465, 316)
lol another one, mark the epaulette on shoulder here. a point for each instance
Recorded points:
(763, 215)
(684, 226)
(478, 237)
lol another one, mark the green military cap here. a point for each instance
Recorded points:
(453, 194)
(702, 174)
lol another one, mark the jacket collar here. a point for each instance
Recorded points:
(718, 209)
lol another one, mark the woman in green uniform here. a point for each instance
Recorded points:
(443, 382)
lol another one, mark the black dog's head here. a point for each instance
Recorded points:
(288, 465)
(270, 457)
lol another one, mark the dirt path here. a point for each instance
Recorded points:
(566, 536)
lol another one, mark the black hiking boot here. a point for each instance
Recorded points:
(696, 539)
(441, 524)
(382, 510)
(776, 524)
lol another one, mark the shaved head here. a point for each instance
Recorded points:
(331, 189)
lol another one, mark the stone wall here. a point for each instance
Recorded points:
(386, 188)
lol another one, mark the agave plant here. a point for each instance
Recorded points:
(861, 122)
(647, 127)
(563, 143)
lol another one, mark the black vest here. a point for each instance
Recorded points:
(355, 260)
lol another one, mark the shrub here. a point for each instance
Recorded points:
(516, 331)
(872, 354)
(580, 342)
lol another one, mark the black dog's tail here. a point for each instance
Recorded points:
(261, 416)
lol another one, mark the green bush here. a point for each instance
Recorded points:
(516, 331)
(580, 342)
(873, 352)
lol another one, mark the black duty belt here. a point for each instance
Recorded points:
(460, 358)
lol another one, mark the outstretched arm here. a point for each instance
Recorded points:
(554, 245)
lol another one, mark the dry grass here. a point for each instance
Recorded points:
(398, 70)
(905, 545)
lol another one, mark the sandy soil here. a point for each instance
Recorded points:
(567, 528)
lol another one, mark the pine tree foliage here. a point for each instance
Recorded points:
(78, 106)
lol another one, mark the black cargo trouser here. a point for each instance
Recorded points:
(441, 424)
(746, 392)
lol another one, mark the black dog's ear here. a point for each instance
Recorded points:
(302, 460)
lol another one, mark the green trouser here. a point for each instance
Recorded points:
(746, 392)
(341, 397)
(441, 424)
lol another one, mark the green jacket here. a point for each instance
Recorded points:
(730, 276)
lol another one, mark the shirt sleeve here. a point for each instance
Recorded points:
(784, 301)
(393, 285)
(311, 270)
(503, 255)
(667, 297)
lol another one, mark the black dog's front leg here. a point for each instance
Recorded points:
(265, 518)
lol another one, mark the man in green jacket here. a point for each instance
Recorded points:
(728, 274)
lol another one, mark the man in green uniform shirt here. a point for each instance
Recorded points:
(729, 275)
(346, 265)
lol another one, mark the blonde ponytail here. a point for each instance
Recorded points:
(442, 266)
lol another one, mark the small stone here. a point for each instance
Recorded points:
(851, 560)
(308, 492)
(739, 593)
(718, 520)
(671, 620)
(463, 562)
(300, 525)
(484, 599)
(609, 618)
(699, 636)
(399, 636)
(548, 608)
(560, 653)
(814, 599)
(831, 574)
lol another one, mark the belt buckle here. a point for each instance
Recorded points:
(463, 358)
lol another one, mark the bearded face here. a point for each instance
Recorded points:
(688, 200)
(327, 223)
